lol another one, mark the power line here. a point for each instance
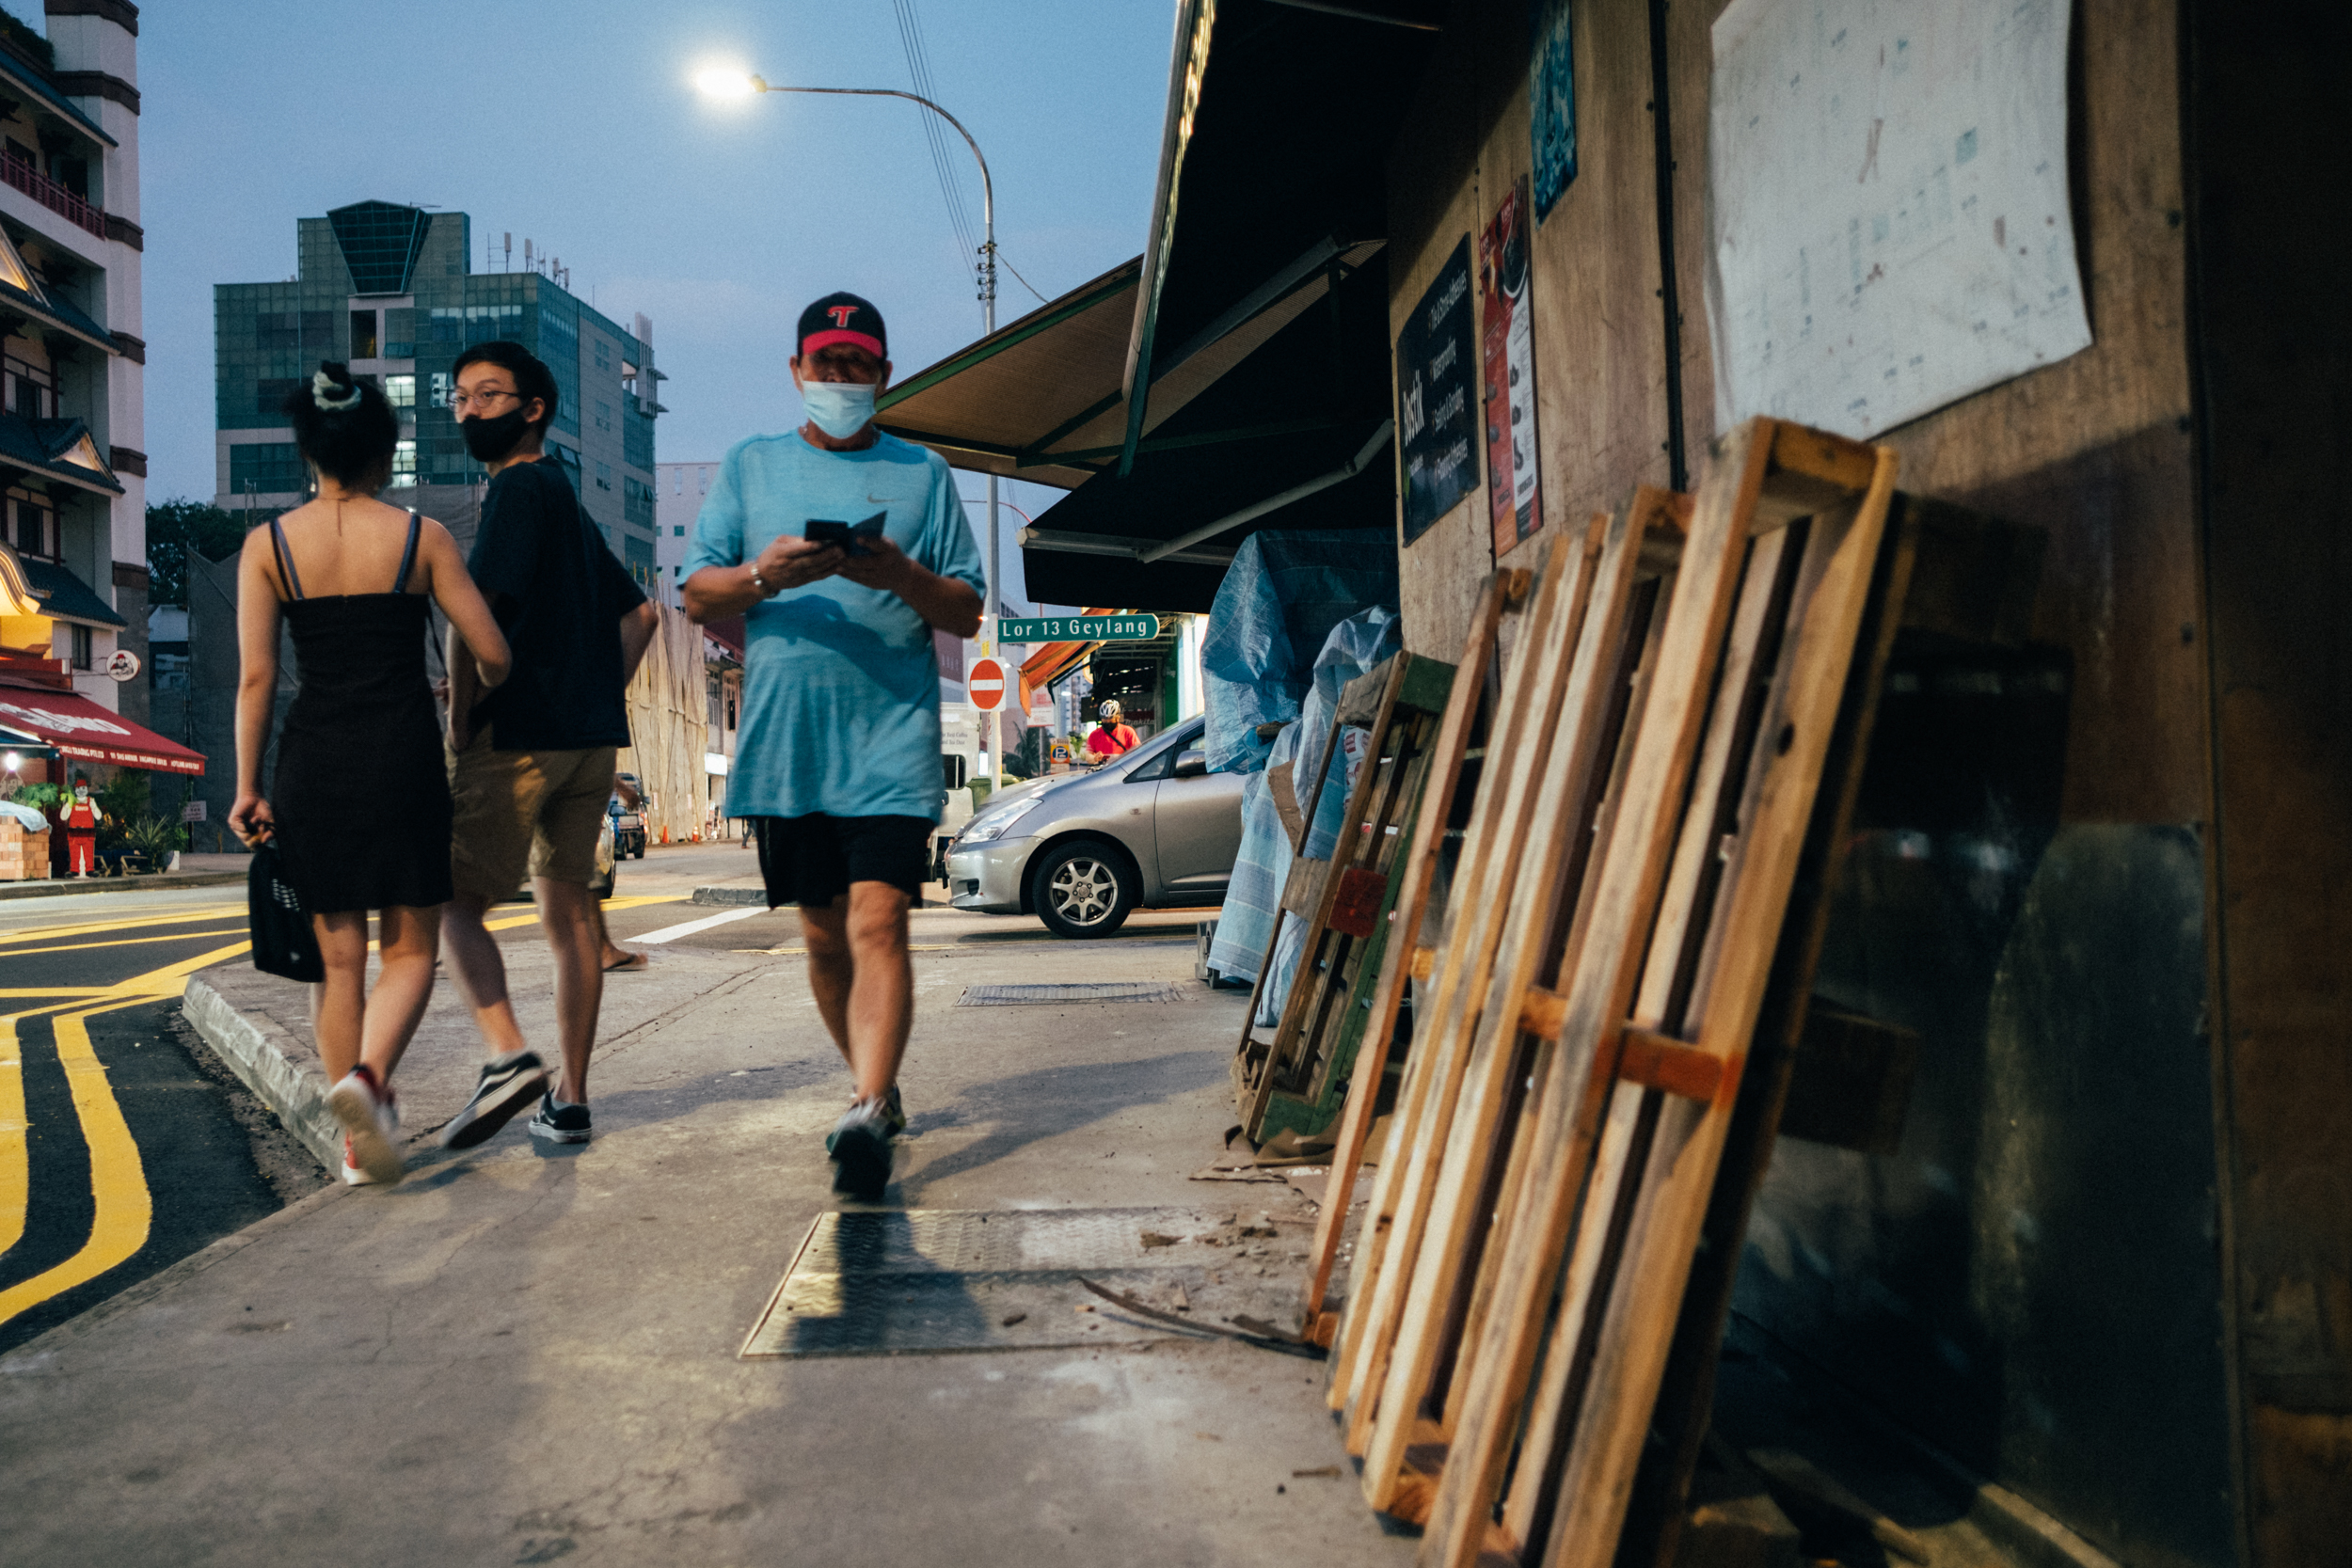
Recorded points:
(919, 67)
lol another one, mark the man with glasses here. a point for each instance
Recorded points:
(530, 763)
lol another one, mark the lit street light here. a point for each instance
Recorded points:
(727, 82)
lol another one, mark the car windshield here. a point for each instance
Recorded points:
(1185, 734)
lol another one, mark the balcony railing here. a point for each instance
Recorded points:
(26, 178)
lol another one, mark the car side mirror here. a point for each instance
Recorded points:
(1192, 763)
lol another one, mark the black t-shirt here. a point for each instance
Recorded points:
(559, 597)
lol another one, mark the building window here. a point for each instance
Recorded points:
(604, 476)
(400, 390)
(678, 531)
(268, 468)
(269, 397)
(604, 416)
(441, 388)
(404, 464)
(80, 647)
(363, 339)
(32, 391)
(35, 530)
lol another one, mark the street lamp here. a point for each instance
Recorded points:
(722, 82)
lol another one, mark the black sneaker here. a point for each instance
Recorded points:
(892, 1113)
(861, 1149)
(560, 1123)
(508, 1083)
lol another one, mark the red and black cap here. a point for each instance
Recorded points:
(843, 318)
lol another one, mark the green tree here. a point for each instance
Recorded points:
(174, 529)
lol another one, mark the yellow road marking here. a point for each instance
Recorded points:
(118, 942)
(210, 912)
(56, 991)
(15, 1161)
(122, 1209)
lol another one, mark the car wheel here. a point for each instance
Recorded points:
(1084, 890)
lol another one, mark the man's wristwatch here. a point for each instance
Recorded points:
(761, 583)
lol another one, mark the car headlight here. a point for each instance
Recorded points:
(997, 823)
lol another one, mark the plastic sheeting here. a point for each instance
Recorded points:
(1261, 867)
(1279, 601)
(1252, 899)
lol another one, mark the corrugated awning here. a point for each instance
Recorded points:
(80, 728)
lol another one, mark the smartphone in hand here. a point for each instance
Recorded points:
(850, 537)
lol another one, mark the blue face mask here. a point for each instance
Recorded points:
(839, 408)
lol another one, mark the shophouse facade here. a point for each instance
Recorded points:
(72, 471)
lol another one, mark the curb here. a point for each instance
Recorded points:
(294, 1096)
(731, 898)
(59, 889)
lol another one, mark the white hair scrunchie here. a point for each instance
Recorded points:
(323, 389)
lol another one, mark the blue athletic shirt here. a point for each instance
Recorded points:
(840, 685)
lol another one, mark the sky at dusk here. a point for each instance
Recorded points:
(577, 126)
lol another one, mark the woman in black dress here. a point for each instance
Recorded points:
(360, 802)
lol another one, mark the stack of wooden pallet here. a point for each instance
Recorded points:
(1633, 913)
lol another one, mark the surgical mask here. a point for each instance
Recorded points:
(839, 408)
(492, 436)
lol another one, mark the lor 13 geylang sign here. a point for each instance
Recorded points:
(1436, 418)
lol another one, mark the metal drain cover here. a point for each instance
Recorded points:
(925, 1281)
(1080, 991)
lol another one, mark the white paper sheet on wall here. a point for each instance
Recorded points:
(1887, 197)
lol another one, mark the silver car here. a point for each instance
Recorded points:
(1081, 852)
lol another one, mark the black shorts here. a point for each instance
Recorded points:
(811, 860)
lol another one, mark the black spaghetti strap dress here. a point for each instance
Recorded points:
(362, 792)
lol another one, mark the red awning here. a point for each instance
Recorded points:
(80, 728)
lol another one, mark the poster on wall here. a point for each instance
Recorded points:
(1436, 421)
(1888, 205)
(1551, 100)
(1506, 310)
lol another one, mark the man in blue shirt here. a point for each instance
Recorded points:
(843, 548)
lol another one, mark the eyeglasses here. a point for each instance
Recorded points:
(460, 402)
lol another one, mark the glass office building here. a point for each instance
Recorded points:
(392, 290)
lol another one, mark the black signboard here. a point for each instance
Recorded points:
(1436, 418)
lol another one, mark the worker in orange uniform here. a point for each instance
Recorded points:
(1111, 738)
(81, 828)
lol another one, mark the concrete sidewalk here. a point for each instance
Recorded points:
(528, 1354)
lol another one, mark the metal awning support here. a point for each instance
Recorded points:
(1347, 471)
(1070, 542)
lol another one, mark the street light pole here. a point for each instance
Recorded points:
(987, 327)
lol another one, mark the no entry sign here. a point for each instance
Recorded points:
(986, 685)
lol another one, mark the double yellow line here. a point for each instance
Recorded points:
(120, 1204)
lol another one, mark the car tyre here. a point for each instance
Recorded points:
(1084, 889)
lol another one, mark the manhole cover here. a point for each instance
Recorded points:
(924, 1281)
(1083, 991)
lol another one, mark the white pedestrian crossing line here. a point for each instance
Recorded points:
(671, 933)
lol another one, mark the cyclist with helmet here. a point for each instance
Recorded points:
(1111, 738)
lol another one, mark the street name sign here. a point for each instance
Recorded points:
(985, 685)
(1080, 628)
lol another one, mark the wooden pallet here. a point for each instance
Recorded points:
(1637, 1052)
(1576, 694)
(1297, 1079)
(1451, 783)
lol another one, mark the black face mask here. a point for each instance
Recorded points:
(492, 436)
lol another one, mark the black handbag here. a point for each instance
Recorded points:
(284, 941)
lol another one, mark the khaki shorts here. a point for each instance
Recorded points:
(538, 812)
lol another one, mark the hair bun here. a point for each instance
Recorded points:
(332, 389)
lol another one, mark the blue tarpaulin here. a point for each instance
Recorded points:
(1279, 601)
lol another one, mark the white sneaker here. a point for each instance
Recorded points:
(370, 1119)
(353, 1175)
